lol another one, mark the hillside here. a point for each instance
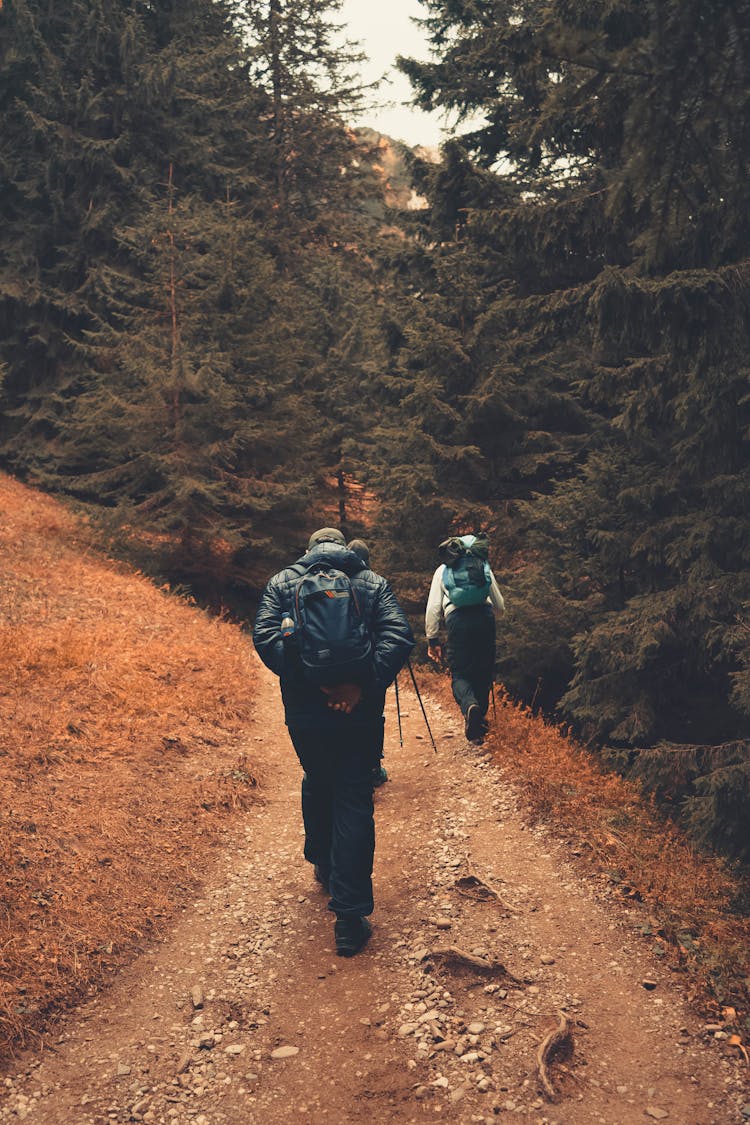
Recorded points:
(112, 693)
(127, 719)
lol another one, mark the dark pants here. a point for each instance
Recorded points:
(337, 810)
(471, 655)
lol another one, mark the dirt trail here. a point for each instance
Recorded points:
(395, 1034)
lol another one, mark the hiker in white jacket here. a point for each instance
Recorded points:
(467, 595)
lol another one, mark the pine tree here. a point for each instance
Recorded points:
(196, 373)
(99, 97)
(310, 81)
(64, 85)
(622, 128)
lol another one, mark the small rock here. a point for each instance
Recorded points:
(122, 1069)
(547, 960)
(284, 1052)
(476, 1028)
(184, 1063)
(429, 1017)
(458, 1093)
(206, 1041)
(196, 997)
(649, 985)
(234, 1049)
(655, 1112)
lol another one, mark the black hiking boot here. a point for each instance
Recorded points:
(351, 935)
(378, 776)
(322, 877)
(475, 726)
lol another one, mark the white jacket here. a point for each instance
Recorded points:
(439, 600)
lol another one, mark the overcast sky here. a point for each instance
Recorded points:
(384, 28)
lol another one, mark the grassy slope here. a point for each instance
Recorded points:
(121, 712)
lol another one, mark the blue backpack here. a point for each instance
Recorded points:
(331, 635)
(467, 576)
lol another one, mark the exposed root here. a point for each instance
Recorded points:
(558, 1043)
(450, 957)
(472, 886)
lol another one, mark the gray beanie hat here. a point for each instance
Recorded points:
(360, 548)
(326, 535)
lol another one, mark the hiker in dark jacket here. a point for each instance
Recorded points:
(336, 730)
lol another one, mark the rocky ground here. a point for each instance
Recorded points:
(486, 940)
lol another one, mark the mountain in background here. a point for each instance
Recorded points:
(392, 160)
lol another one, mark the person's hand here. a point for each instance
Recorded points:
(343, 697)
(435, 652)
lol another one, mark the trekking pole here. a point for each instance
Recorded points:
(398, 712)
(494, 708)
(421, 704)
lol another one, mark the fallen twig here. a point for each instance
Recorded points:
(452, 957)
(558, 1042)
(502, 1036)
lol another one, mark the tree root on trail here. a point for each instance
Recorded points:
(472, 886)
(559, 1043)
(451, 957)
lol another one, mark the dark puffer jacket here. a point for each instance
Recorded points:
(392, 640)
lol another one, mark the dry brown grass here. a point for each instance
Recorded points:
(121, 715)
(618, 833)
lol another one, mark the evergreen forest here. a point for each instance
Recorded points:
(220, 324)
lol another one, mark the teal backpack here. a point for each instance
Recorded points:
(467, 575)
